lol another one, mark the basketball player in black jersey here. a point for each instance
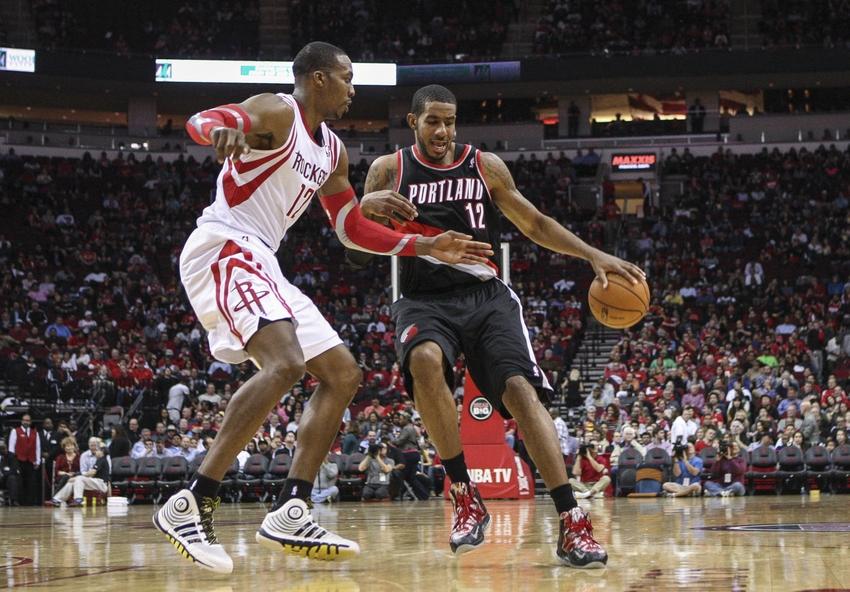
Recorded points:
(449, 309)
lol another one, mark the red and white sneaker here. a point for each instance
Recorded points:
(471, 518)
(576, 545)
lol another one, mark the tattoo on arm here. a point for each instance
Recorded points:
(382, 175)
(497, 172)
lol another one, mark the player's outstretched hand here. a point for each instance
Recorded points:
(454, 247)
(385, 204)
(229, 142)
(603, 264)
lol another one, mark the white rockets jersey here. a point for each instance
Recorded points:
(266, 191)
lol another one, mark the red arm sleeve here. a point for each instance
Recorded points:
(357, 232)
(201, 125)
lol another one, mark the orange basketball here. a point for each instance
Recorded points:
(621, 304)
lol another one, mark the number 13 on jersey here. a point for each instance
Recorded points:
(476, 215)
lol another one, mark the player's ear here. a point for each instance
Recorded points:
(319, 78)
(411, 121)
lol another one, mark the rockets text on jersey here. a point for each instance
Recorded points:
(264, 192)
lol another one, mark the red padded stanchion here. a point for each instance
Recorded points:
(495, 468)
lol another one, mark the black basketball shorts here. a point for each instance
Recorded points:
(486, 324)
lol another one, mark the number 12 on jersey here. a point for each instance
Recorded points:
(476, 215)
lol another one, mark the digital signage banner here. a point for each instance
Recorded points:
(255, 72)
(17, 60)
(448, 73)
(634, 161)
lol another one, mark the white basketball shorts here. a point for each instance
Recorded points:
(233, 280)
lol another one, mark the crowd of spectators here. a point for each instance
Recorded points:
(376, 30)
(797, 23)
(91, 309)
(748, 337)
(751, 351)
(639, 28)
(157, 27)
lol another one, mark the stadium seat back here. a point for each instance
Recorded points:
(256, 465)
(175, 467)
(353, 463)
(817, 458)
(841, 457)
(763, 457)
(629, 457)
(790, 458)
(279, 466)
(123, 467)
(657, 457)
(149, 467)
(708, 456)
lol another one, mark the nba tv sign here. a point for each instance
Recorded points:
(17, 60)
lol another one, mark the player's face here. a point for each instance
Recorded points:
(435, 130)
(339, 90)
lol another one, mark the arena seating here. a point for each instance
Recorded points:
(103, 236)
(157, 27)
(750, 305)
(796, 23)
(379, 30)
(376, 30)
(657, 26)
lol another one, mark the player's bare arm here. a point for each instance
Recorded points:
(544, 230)
(383, 175)
(355, 231)
(262, 122)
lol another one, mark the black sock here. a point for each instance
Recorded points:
(293, 488)
(564, 498)
(456, 469)
(203, 486)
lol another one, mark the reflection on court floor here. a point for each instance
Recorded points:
(758, 543)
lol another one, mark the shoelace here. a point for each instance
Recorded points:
(583, 531)
(208, 506)
(463, 509)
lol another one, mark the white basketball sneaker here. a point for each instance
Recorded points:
(291, 529)
(190, 530)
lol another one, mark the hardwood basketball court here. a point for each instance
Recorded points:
(788, 543)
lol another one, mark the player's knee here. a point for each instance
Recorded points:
(519, 397)
(286, 372)
(348, 378)
(426, 362)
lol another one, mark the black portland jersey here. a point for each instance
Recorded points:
(448, 197)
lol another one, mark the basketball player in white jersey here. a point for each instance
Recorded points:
(277, 154)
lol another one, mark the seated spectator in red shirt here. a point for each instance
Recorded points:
(375, 407)
(708, 440)
(590, 473)
(66, 465)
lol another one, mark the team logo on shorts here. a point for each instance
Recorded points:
(409, 333)
(249, 297)
(480, 409)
